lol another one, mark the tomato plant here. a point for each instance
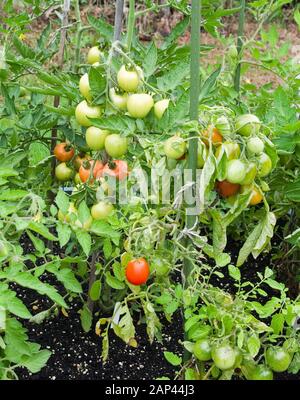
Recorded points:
(96, 112)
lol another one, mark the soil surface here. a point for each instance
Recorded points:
(77, 355)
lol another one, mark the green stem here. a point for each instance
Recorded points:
(130, 23)
(154, 8)
(237, 77)
(193, 143)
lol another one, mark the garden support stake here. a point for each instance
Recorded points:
(63, 34)
(237, 77)
(193, 143)
(117, 34)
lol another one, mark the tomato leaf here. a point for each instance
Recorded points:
(172, 358)
(85, 241)
(86, 318)
(113, 281)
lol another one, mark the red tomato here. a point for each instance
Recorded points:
(85, 169)
(117, 169)
(227, 189)
(137, 271)
(63, 152)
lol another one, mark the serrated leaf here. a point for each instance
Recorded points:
(95, 290)
(37, 361)
(253, 344)
(85, 241)
(86, 318)
(62, 201)
(113, 281)
(174, 76)
(64, 233)
(172, 358)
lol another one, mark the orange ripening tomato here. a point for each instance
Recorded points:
(117, 169)
(137, 271)
(227, 189)
(213, 134)
(63, 152)
(85, 170)
(256, 197)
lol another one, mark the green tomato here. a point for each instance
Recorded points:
(77, 180)
(231, 149)
(250, 174)
(160, 107)
(247, 125)
(3, 249)
(264, 165)
(223, 125)
(63, 172)
(118, 100)
(94, 55)
(101, 210)
(83, 112)
(262, 373)
(255, 145)
(116, 145)
(84, 87)
(95, 138)
(236, 171)
(201, 154)
(278, 359)
(128, 80)
(202, 350)
(224, 356)
(174, 147)
(139, 105)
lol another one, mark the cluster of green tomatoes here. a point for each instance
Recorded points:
(227, 357)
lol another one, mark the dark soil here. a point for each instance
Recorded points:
(77, 355)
